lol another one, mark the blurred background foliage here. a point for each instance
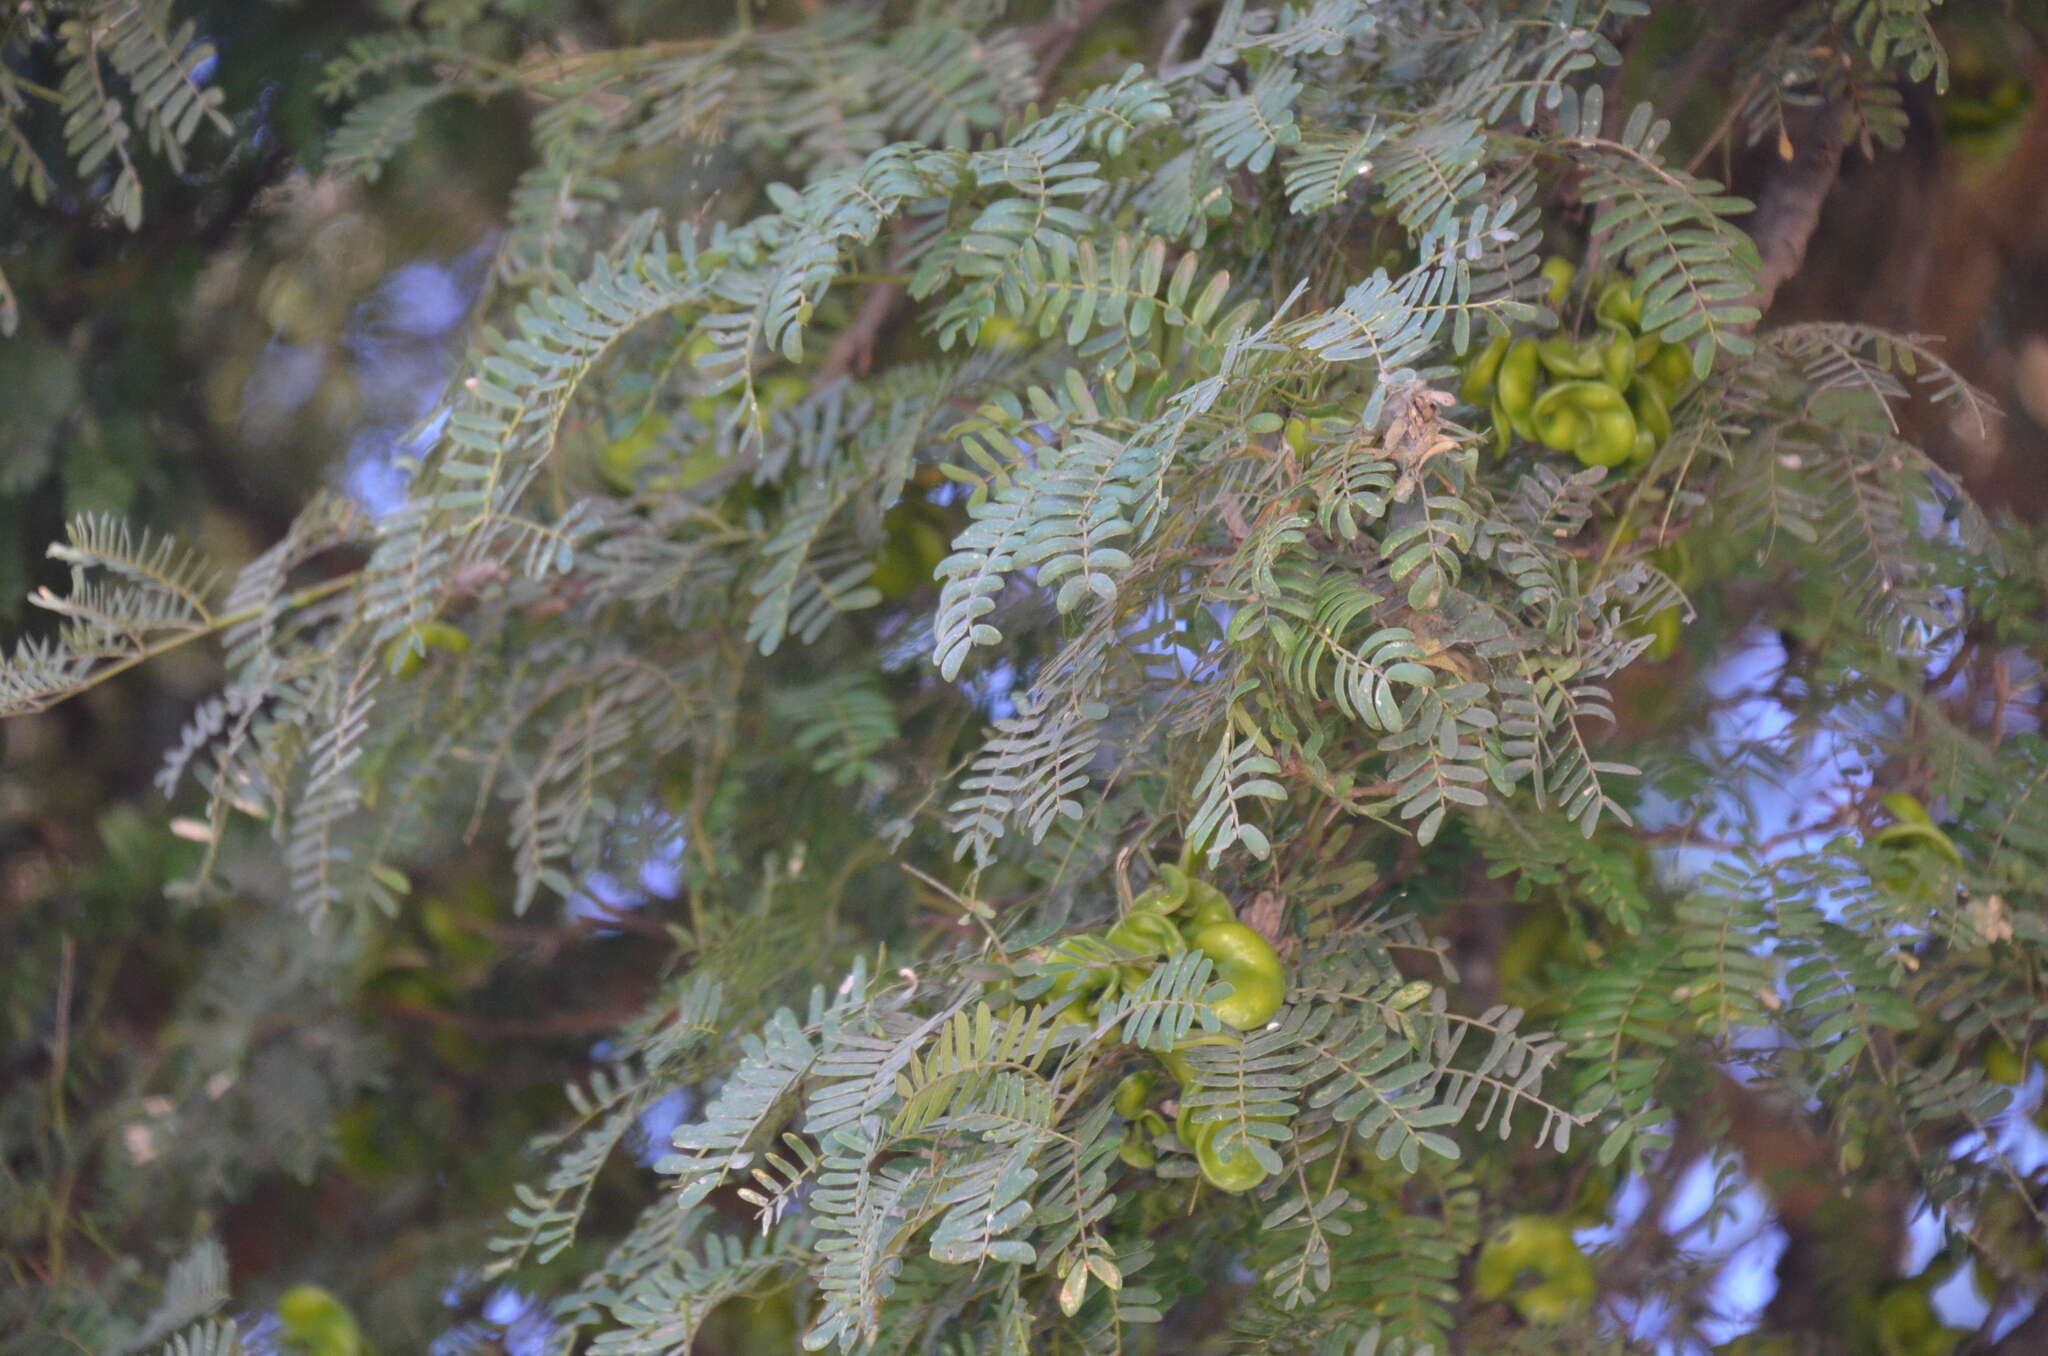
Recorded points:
(267, 327)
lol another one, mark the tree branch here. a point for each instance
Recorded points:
(2030, 1335)
(565, 1024)
(853, 350)
(1789, 209)
(1054, 38)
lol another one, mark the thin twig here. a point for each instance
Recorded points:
(303, 598)
(60, 1045)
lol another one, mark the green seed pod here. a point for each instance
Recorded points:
(2002, 1063)
(1570, 358)
(1617, 356)
(1517, 384)
(1538, 1249)
(1147, 933)
(408, 652)
(1226, 1162)
(1481, 370)
(1589, 419)
(1671, 365)
(1206, 905)
(1558, 271)
(1618, 304)
(1244, 961)
(1646, 402)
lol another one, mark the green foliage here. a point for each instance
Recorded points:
(123, 66)
(1231, 583)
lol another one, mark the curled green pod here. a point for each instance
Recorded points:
(1206, 905)
(1076, 991)
(1226, 1161)
(1245, 962)
(1534, 1262)
(1589, 419)
(1619, 305)
(1154, 899)
(1130, 1095)
(1570, 358)
(1905, 808)
(1517, 384)
(1910, 835)
(1147, 933)
(1913, 827)
(1503, 430)
(1173, 882)
(1481, 370)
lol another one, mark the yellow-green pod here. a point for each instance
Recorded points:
(1905, 808)
(1481, 370)
(1206, 905)
(1665, 629)
(1671, 365)
(1503, 430)
(312, 1322)
(1177, 1065)
(1517, 384)
(402, 659)
(1619, 305)
(1646, 402)
(1558, 271)
(1245, 962)
(1907, 835)
(1146, 933)
(1617, 356)
(1589, 419)
(1534, 1262)
(2002, 1063)
(1570, 358)
(1230, 1168)
(407, 653)
(1612, 440)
